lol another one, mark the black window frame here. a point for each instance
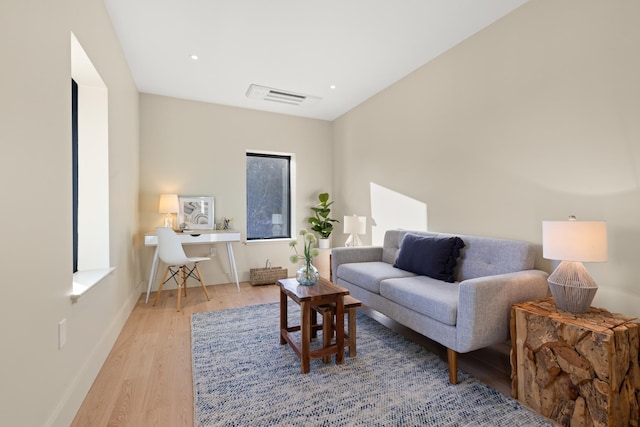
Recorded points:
(74, 168)
(287, 232)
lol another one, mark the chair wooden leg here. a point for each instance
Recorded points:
(204, 288)
(164, 278)
(185, 276)
(452, 358)
(180, 284)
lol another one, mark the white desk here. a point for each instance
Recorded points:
(196, 237)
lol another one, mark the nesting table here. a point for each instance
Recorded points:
(328, 313)
(323, 292)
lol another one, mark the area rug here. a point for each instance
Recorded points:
(242, 376)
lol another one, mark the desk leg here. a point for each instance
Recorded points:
(305, 329)
(340, 329)
(152, 274)
(284, 325)
(232, 264)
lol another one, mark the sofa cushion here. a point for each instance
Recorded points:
(487, 256)
(481, 256)
(368, 275)
(425, 295)
(431, 256)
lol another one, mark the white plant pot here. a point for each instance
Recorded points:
(324, 243)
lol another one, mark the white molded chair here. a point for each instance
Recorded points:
(170, 252)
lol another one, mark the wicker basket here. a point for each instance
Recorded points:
(267, 275)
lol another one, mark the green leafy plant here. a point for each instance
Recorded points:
(320, 221)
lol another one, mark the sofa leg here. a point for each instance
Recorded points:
(452, 358)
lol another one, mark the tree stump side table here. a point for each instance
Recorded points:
(576, 369)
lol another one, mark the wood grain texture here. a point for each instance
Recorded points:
(577, 369)
(147, 380)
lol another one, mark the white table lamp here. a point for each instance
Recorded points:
(354, 225)
(168, 205)
(573, 242)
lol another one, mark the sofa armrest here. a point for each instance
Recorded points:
(484, 306)
(354, 254)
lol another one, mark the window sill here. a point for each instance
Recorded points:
(83, 281)
(278, 240)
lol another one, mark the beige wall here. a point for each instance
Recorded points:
(198, 149)
(535, 118)
(42, 385)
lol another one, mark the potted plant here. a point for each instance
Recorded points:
(320, 221)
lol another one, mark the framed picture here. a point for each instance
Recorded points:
(195, 213)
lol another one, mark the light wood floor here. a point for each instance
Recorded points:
(146, 379)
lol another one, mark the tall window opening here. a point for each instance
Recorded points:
(269, 196)
(90, 164)
(74, 167)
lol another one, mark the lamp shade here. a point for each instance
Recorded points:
(355, 224)
(168, 203)
(581, 241)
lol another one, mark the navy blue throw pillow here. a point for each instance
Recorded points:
(435, 257)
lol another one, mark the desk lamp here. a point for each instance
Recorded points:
(354, 225)
(168, 205)
(573, 242)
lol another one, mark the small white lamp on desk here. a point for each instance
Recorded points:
(573, 242)
(354, 225)
(168, 205)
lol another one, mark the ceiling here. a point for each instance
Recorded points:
(305, 47)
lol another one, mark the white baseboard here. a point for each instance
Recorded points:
(86, 374)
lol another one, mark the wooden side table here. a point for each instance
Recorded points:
(577, 369)
(328, 312)
(323, 292)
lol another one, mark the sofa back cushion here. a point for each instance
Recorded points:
(481, 256)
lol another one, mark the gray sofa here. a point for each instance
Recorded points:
(472, 312)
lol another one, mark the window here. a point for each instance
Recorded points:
(74, 168)
(269, 189)
(90, 169)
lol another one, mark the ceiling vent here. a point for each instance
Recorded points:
(278, 95)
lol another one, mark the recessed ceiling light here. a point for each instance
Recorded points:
(194, 57)
(332, 86)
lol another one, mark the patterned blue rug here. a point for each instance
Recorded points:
(242, 376)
